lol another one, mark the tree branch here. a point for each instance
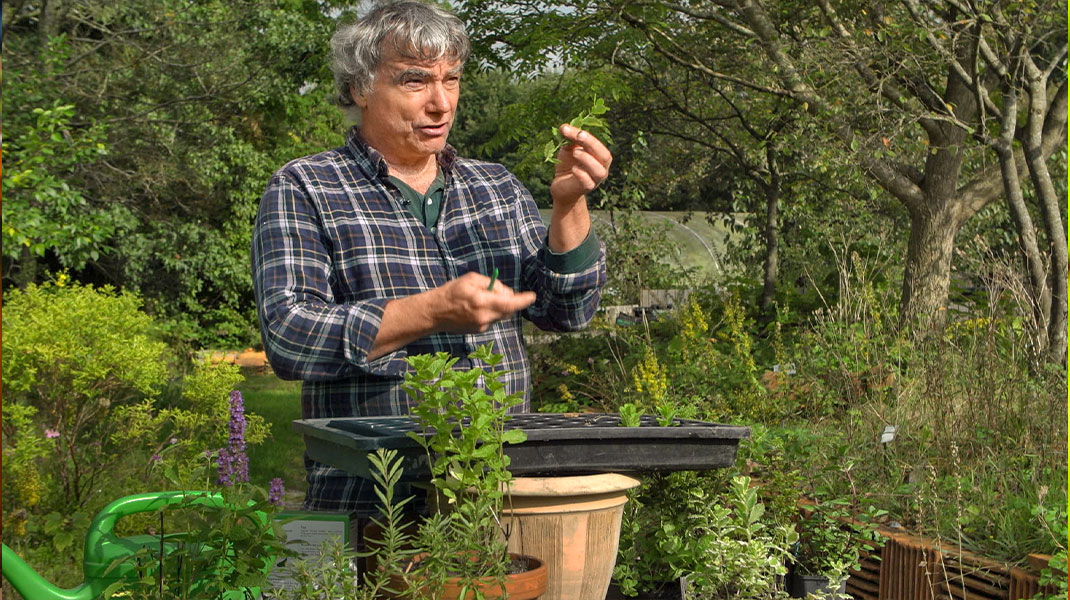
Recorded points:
(649, 31)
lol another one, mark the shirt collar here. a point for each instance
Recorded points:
(374, 165)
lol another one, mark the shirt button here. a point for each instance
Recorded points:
(429, 202)
(434, 230)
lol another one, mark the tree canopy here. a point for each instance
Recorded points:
(139, 137)
(917, 97)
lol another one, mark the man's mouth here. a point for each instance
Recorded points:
(435, 130)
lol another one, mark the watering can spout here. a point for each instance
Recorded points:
(32, 586)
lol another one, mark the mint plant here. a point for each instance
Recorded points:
(463, 415)
(589, 120)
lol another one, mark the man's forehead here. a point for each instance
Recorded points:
(395, 62)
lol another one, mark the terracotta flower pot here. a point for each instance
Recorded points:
(572, 523)
(527, 585)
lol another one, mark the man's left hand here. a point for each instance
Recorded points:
(582, 165)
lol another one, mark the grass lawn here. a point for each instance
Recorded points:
(279, 402)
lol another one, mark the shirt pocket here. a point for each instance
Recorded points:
(495, 220)
(498, 237)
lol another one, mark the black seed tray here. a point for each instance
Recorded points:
(557, 444)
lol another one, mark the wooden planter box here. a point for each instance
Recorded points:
(909, 567)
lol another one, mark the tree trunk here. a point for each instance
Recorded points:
(772, 255)
(771, 271)
(1047, 198)
(927, 274)
(1039, 298)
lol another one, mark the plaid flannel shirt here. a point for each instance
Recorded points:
(334, 242)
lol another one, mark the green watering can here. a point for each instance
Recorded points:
(102, 563)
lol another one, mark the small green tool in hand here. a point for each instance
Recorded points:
(493, 278)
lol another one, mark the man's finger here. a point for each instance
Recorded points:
(590, 165)
(512, 302)
(589, 142)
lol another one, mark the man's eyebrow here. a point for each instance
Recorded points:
(416, 73)
(411, 73)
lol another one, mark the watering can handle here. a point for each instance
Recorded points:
(30, 584)
(100, 532)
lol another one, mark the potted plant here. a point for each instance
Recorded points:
(460, 551)
(829, 547)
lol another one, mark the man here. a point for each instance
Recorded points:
(365, 254)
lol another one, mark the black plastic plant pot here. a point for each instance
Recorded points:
(801, 586)
(558, 444)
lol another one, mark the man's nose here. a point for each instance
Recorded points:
(439, 100)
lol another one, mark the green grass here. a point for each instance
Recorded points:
(279, 402)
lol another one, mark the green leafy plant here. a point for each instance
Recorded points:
(87, 384)
(630, 415)
(712, 530)
(1053, 575)
(93, 399)
(74, 354)
(220, 541)
(589, 120)
(332, 574)
(463, 415)
(45, 209)
(831, 540)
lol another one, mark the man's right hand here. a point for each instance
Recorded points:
(463, 305)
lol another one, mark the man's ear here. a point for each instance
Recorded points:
(359, 99)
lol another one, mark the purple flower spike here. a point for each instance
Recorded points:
(275, 492)
(226, 469)
(233, 463)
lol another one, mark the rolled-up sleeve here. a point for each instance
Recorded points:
(566, 301)
(307, 333)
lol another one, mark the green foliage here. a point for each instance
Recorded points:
(330, 574)
(464, 413)
(151, 172)
(217, 542)
(75, 355)
(93, 402)
(630, 415)
(643, 257)
(519, 134)
(589, 120)
(1054, 521)
(196, 422)
(45, 208)
(830, 540)
(980, 428)
(715, 532)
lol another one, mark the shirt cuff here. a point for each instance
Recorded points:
(578, 259)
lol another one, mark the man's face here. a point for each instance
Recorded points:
(411, 107)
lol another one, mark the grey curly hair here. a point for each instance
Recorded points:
(417, 31)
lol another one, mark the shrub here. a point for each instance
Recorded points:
(72, 355)
(87, 413)
(715, 532)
